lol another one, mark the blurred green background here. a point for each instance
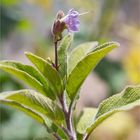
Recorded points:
(26, 26)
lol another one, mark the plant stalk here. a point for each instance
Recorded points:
(56, 55)
(67, 111)
(68, 119)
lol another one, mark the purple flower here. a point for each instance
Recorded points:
(72, 20)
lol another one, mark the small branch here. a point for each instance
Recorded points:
(66, 131)
(68, 118)
(56, 136)
(64, 107)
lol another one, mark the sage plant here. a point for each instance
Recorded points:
(56, 84)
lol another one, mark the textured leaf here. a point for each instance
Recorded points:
(32, 113)
(127, 99)
(86, 119)
(39, 117)
(79, 53)
(63, 54)
(85, 66)
(35, 101)
(48, 71)
(29, 75)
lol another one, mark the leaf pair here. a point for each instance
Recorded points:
(77, 64)
(45, 80)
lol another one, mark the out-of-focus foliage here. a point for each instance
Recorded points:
(115, 128)
(132, 59)
(43, 3)
(8, 22)
(107, 68)
(132, 64)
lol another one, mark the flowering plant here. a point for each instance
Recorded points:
(56, 85)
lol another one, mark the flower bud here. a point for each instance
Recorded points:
(58, 26)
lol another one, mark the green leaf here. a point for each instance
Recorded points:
(85, 120)
(32, 113)
(29, 75)
(62, 134)
(79, 53)
(29, 104)
(127, 99)
(85, 66)
(48, 71)
(63, 54)
(35, 101)
(37, 116)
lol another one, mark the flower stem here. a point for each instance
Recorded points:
(56, 55)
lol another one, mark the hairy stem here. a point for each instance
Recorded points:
(67, 111)
(68, 119)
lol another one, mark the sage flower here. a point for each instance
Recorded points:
(72, 20)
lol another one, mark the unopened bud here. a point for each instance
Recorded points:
(58, 26)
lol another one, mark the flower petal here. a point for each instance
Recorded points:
(72, 20)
